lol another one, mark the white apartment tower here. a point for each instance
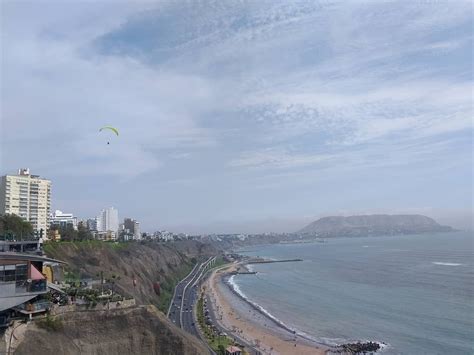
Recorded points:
(27, 196)
(108, 220)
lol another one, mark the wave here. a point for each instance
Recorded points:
(446, 264)
(235, 287)
(330, 342)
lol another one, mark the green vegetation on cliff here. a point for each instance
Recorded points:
(148, 263)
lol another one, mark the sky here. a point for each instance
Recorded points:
(242, 116)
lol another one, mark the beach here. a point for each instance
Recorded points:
(242, 319)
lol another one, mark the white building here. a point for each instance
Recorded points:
(108, 221)
(61, 219)
(27, 196)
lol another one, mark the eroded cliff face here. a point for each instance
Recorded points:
(136, 330)
(147, 263)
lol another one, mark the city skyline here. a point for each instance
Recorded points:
(251, 117)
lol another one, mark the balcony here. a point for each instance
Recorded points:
(34, 307)
(31, 286)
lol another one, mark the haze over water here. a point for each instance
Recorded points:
(412, 292)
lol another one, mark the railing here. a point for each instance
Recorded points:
(33, 286)
(34, 307)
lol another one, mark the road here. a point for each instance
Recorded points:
(174, 313)
(180, 311)
(181, 308)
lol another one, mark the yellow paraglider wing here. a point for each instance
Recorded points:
(113, 129)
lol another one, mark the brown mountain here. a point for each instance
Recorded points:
(367, 225)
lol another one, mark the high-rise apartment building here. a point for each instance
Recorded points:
(108, 220)
(133, 227)
(27, 196)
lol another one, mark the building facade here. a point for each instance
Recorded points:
(23, 286)
(27, 196)
(92, 224)
(133, 227)
(108, 221)
(61, 219)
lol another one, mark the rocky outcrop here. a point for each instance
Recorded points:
(136, 330)
(367, 225)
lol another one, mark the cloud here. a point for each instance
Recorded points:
(60, 97)
(265, 97)
(277, 159)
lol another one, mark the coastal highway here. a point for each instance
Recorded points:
(180, 311)
(181, 308)
(190, 297)
(174, 313)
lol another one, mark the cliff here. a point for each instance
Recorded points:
(137, 330)
(146, 262)
(367, 225)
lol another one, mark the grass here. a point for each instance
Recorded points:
(216, 342)
(168, 286)
(219, 262)
(88, 243)
(50, 323)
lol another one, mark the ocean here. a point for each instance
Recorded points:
(414, 293)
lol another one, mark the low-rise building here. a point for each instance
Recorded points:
(63, 220)
(54, 235)
(107, 236)
(23, 286)
(233, 350)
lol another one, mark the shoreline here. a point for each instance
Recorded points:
(252, 324)
(294, 332)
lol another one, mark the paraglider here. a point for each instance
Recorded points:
(113, 129)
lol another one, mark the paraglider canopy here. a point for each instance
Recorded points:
(113, 129)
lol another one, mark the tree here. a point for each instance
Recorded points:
(68, 233)
(83, 233)
(15, 226)
(221, 349)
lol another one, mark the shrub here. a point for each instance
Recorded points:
(50, 323)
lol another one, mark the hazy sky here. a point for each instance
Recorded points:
(241, 115)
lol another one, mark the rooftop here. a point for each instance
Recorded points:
(27, 257)
(233, 349)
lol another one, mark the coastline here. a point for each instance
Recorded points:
(252, 324)
(278, 323)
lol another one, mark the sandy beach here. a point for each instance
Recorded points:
(242, 319)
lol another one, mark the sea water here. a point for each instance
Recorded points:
(414, 293)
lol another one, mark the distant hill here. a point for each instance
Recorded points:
(370, 225)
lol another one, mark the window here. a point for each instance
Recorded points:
(9, 273)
